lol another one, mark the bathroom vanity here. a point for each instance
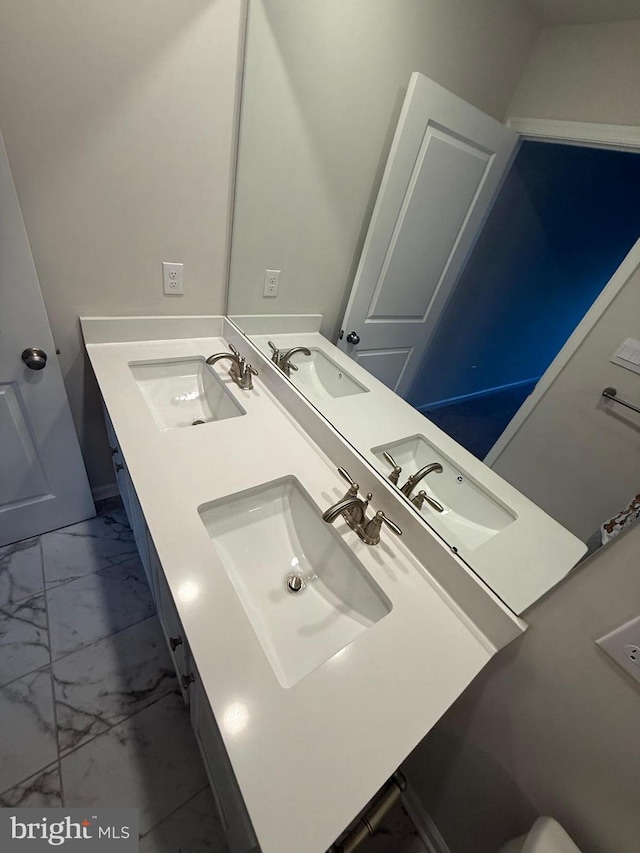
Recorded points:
(313, 663)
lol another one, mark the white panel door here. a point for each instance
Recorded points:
(446, 163)
(43, 482)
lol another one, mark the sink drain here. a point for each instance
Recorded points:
(294, 584)
(197, 423)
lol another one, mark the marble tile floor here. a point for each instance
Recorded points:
(90, 711)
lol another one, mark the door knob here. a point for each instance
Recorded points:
(353, 338)
(34, 357)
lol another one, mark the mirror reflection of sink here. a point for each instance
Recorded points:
(471, 513)
(274, 532)
(321, 378)
(183, 390)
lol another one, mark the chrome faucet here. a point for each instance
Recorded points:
(354, 511)
(282, 360)
(421, 497)
(414, 479)
(240, 371)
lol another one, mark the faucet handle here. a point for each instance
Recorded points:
(354, 488)
(421, 497)
(275, 352)
(234, 351)
(246, 371)
(372, 529)
(394, 476)
(347, 476)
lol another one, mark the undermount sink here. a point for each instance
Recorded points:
(321, 378)
(470, 513)
(183, 392)
(272, 540)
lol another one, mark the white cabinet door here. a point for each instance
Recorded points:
(43, 482)
(445, 166)
(239, 833)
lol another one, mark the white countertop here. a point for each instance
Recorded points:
(306, 758)
(523, 560)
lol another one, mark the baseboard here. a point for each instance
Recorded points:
(463, 398)
(423, 822)
(101, 493)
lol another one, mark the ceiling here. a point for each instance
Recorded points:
(584, 11)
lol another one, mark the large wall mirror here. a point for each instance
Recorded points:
(433, 282)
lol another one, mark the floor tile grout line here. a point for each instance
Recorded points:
(21, 603)
(133, 555)
(34, 593)
(47, 767)
(206, 787)
(53, 687)
(101, 639)
(53, 660)
(33, 671)
(123, 720)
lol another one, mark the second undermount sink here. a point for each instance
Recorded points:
(183, 392)
(471, 513)
(321, 378)
(304, 591)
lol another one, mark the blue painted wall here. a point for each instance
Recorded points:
(563, 222)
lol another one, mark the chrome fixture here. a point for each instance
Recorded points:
(414, 479)
(610, 394)
(354, 511)
(394, 476)
(285, 363)
(371, 819)
(240, 371)
(282, 359)
(275, 352)
(353, 338)
(34, 357)
(294, 584)
(421, 497)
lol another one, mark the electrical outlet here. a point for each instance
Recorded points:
(623, 646)
(172, 279)
(271, 282)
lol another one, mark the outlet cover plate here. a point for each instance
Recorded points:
(618, 642)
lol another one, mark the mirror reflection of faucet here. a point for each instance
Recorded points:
(283, 360)
(421, 497)
(413, 481)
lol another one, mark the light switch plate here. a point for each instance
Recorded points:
(623, 646)
(628, 355)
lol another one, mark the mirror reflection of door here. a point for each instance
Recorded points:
(464, 332)
(565, 219)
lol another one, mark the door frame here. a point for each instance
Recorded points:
(590, 135)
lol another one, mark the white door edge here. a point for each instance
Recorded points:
(621, 276)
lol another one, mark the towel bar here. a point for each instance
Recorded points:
(610, 394)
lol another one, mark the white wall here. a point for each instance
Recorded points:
(548, 727)
(575, 456)
(587, 73)
(324, 84)
(118, 118)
